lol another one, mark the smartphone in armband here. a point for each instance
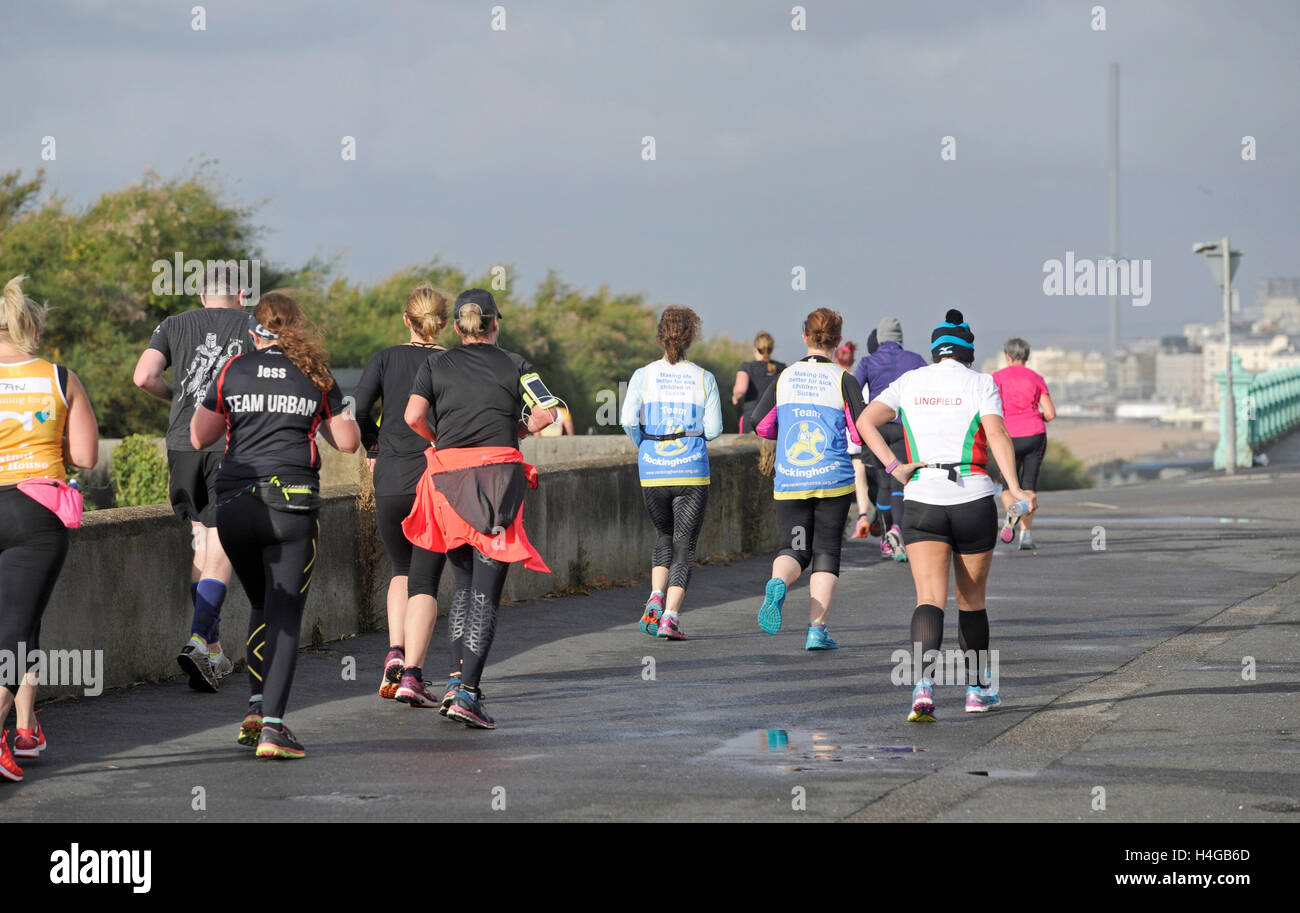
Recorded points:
(535, 393)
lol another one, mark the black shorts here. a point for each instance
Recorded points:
(812, 531)
(1029, 459)
(970, 528)
(192, 484)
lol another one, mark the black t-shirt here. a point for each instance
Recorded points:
(475, 395)
(197, 345)
(388, 377)
(272, 412)
(848, 386)
(759, 378)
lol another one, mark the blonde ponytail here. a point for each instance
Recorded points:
(21, 322)
(470, 322)
(427, 309)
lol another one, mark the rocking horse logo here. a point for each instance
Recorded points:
(806, 444)
(673, 447)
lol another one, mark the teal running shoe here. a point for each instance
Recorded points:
(922, 703)
(979, 700)
(769, 616)
(818, 639)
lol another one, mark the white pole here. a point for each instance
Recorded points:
(1230, 407)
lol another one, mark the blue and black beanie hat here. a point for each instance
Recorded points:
(953, 339)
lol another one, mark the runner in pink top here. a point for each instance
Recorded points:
(1023, 392)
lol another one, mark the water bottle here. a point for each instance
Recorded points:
(72, 483)
(1019, 509)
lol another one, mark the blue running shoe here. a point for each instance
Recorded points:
(818, 639)
(769, 616)
(978, 699)
(922, 703)
(654, 610)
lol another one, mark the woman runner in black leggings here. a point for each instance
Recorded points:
(395, 454)
(41, 406)
(270, 403)
(672, 409)
(467, 402)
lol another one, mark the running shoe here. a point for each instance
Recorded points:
(863, 527)
(769, 615)
(413, 691)
(28, 743)
(195, 663)
(978, 699)
(392, 676)
(649, 623)
(669, 628)
(818, 639)
(895, 539)
(279, 743)
(251, 729)
(922, 703)
(1008, 531)
(449, 695)
(221, 666)
(9, 768)
(1026, 539)
(886, 550)
(467, 708)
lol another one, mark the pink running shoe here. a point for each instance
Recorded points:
(669, 628)
(413, 691)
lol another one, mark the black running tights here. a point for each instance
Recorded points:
(472, 618)
(677, 511)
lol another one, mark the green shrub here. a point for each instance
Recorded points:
(1062, 470)
(139, 472)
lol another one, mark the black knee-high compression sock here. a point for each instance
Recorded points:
(927, 627)
(973, 638)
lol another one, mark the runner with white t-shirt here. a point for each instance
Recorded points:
(952, 421)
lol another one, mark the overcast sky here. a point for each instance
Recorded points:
(775, 147)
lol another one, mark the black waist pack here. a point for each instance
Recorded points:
(293, 497)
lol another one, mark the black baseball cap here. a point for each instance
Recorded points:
(480, 296)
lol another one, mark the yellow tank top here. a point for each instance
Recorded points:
(33, 413)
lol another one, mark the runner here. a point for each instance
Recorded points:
(865, 473)
(952, 420)
(672, 409)
(876, 372)
(754, 377)
(807, 412)
(395, 454)
(269, 404)
(46, 422)
(1023, 392)
(196, 345)
(469, 504)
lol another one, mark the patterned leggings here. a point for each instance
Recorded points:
(472, 618)
(677, 512)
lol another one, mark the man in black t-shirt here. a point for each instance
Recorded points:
(196, 345)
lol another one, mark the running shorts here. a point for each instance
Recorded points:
(970, 528)
(192, 484)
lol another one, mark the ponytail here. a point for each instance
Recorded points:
(678, 327)
(471, 323)
(763, 345)
(22, 319)
(426, 308)
(281, 315)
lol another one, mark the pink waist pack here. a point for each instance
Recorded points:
(59, 497)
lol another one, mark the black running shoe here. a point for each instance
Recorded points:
(278, 742)
(467, 707)
(195, 663)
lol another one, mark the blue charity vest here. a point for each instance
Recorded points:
(672, 406)
(812, 457)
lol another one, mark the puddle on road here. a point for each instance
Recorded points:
(797, 750)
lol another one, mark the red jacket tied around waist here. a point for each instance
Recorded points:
(474, 496)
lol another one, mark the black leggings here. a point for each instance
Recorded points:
(422, 568)
(677, 511)
(890, 490)
(1029, 452)
(812, 531)
(472, 619)
(274, 554)
(33, 544)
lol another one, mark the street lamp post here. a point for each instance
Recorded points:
(1222, 260)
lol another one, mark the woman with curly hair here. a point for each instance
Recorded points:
(672, 409)
(270, 403)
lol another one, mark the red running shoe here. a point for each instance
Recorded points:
(9, 768)
(28, 743)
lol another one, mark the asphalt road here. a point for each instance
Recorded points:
(1121, 672)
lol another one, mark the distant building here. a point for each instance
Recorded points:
(1257, 354)
(1070, 375)
(1180, 378)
